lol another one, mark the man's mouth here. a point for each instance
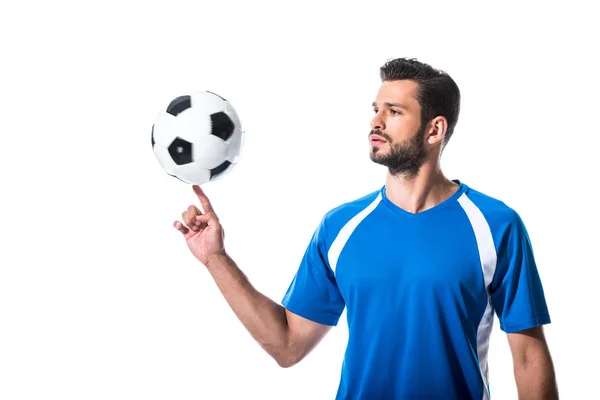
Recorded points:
(376, 139)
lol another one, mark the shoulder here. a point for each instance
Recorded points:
(337, 217)
(491, 207)
(347, 210)
(500, 217)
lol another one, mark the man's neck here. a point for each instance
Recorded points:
(421, 192)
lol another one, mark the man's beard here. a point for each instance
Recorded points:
(403, 158)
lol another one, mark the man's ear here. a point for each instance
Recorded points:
(437, 130)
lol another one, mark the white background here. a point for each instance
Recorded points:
(99, 296)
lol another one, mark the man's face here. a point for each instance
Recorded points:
(397, 138)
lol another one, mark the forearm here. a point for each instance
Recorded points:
(264, 319)
(536, 379)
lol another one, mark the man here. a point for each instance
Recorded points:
(421, 264)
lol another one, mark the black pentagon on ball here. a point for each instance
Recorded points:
(180, 151)
(216, 171)
(152, 135)
(222, 125)
(179, 105)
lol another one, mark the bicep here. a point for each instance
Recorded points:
(527, 346)
(303, 334)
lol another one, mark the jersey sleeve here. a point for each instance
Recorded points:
(313, 292)
(517, 292)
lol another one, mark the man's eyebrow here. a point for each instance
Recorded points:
(387, 104)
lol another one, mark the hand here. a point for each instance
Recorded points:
(202, 231)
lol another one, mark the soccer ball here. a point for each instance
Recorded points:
(198, 138)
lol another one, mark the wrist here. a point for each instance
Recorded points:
(217, 260)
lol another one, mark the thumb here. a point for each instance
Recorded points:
(205, 219)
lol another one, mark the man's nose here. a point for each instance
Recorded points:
(377, 123)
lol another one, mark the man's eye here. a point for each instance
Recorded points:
(394, 112)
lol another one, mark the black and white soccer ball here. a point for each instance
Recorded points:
(198, 138)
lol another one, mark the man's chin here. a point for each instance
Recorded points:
(377, 151)
(378, 158)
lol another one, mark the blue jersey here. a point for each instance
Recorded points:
(420, 291)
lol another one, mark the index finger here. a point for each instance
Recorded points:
(203, 199)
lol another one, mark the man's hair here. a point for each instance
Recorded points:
(437, 92)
